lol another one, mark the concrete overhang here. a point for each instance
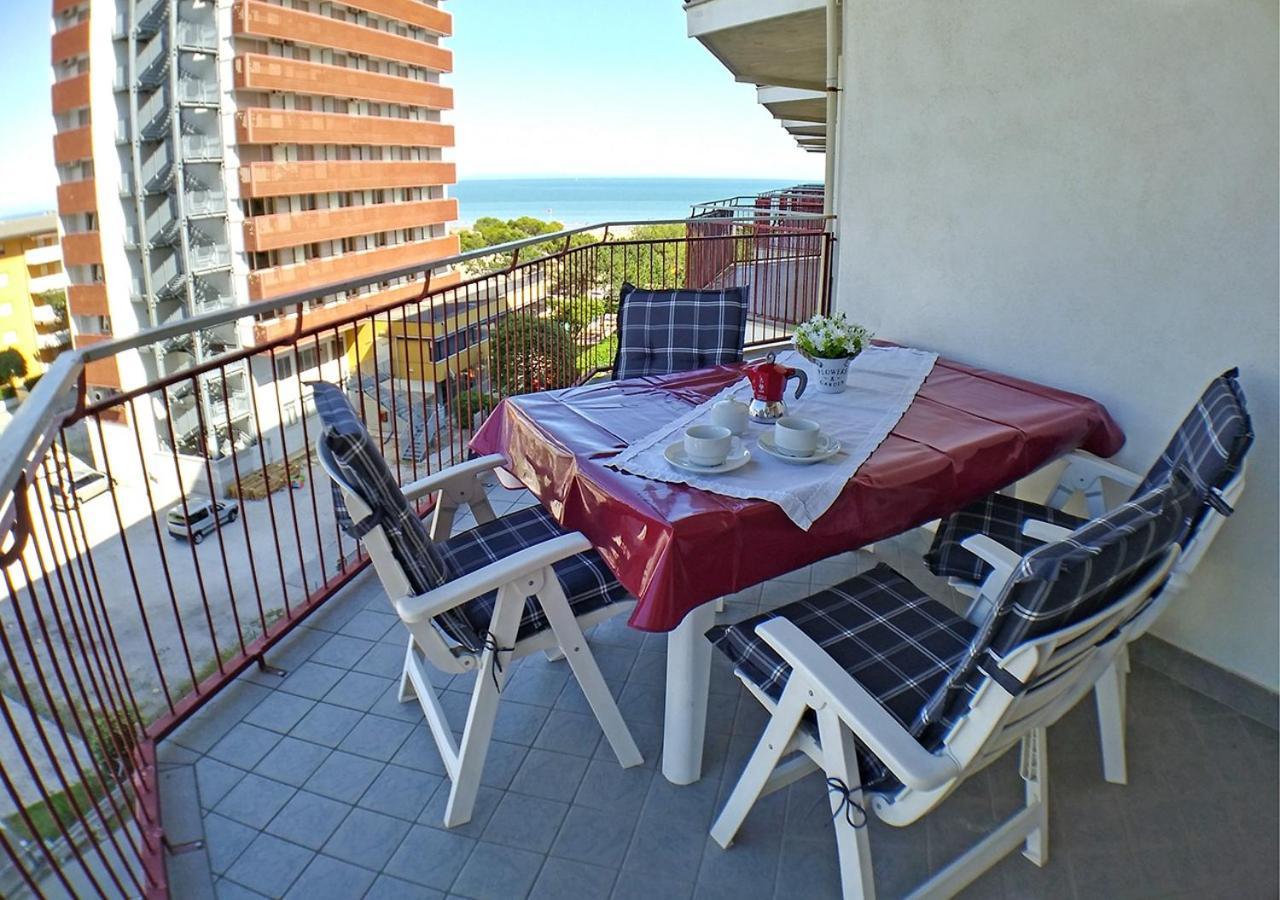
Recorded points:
(793, 103)
(764, 42)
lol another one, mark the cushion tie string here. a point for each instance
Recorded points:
(853, 811)
(491, 644)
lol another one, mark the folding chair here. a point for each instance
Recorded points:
(476, 601)
(660, 332)
(898, 700)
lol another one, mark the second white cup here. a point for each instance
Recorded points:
(796, 436)
(707, 445)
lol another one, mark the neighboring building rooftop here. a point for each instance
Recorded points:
(25, 225)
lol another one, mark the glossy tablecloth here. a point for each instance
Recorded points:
(968, 432)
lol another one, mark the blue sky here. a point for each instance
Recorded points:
(543, 87)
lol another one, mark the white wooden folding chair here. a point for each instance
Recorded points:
(1210, 445)
(899, 701)
(477, 601)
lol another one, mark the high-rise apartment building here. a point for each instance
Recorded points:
(221, 152)
(33, 317)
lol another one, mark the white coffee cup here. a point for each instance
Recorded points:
(731, 414)
(795, 436)
(707, 445)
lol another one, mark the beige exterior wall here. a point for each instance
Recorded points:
(1083, 193)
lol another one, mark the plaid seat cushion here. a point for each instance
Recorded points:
(588, 583)
(998, 516)
(661, 332)
(895, 640)
(1209, 446)
(1059, 584)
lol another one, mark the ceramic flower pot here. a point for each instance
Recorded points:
(832, 374)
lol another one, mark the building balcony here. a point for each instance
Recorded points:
(45, 315)
(72, 146)
(52, 340)
(77, 197)
(257, 72)
(284, 126)
(272, 179)
(88, 300)
(265, 284)
(410, 12)
(44, 284)
(71, 93)
(42, 256)
(294, 229)
(81, 249)
(263, 20)
(70, 42)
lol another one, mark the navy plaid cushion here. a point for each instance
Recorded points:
(1209, 446)
(661, 332)
(588, 583)
(1061, 583)
(998, 516)
(899, 643)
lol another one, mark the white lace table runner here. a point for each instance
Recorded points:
(882, 383)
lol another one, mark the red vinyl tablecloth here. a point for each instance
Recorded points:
(968, 432)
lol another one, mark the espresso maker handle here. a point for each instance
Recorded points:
(804, 380)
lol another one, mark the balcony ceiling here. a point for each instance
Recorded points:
(764, 42)
(794, 104)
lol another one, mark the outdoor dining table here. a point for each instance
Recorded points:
(968, 432)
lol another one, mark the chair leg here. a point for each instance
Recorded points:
(1035, 772)
(764, 759)
(1109, 693)
(577, 651)
(407, 692)
(484, 709)
(852, 844)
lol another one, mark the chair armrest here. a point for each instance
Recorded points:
(870, 722)
(1084, 474)
(493, 576)
(446, 477)
(992, 552)
(1044, 531)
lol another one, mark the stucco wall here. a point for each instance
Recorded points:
(1083, 193)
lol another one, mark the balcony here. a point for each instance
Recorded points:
(411, 12)
(72, 146)
(82, 249)
(87, 300)
(70, 42)
(280, 126)
(44, 284)
(71, 94)
(77, 197)
(263, 20)
(256, 72)
(42, 256)
(52, 340)
(271, 179)
(294, 229)
(265, 284)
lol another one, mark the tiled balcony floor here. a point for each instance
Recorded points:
(320, 784)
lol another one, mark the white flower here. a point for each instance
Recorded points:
(832, 337)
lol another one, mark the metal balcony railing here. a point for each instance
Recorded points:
(113, 632)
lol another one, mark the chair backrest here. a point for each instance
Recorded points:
(357, 468)
(1058, 585)
(1210, 446)
(660, 332)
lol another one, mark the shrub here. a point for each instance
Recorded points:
(464, 406)
(528, 353)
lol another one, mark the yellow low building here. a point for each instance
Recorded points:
(33, 317)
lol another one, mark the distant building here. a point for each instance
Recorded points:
(33, 317)
(214, 154)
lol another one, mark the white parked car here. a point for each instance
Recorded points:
(200, 518)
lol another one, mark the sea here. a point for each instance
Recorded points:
(585, 201)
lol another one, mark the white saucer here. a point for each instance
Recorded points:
(738, 457)
(827, 448)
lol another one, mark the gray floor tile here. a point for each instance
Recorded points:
(226, 839)
(343, 776)
(229, 890)
(400, 792)
(388, 888)
(279, 712)
(308, 819)
(382, 660)
(607, 786)
(555, 776)
(368, 624)
(569, 732)
(326, 878)
(562, 878)
(498, 873)
(376, 737)
(594, 836)
(244, 745)
(214, 779)
(292, 761)
(527, 822)
(430, 857)
(487, 799)
(326, 724)
(312, 680)
(367, 838)
(269, 865)
(518, 723)
(341, 651)
(255, 800)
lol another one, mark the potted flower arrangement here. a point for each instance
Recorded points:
(830, 342)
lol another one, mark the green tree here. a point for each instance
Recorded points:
(12, 365)
(528, 353)
(489, 232)
(651, 256)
